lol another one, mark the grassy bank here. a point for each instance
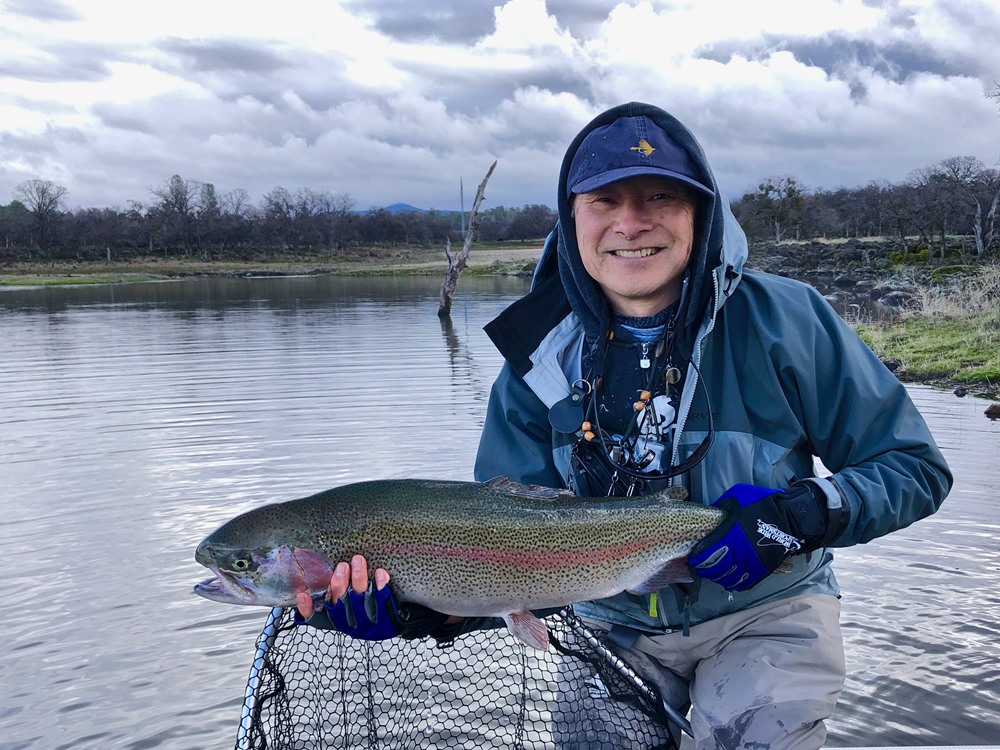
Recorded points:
(952, 338)
(498, 258)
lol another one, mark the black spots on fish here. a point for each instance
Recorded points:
(258, 528)
(465, 541)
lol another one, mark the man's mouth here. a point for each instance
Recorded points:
(643, 252)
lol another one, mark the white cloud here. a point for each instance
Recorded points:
(526, 26)
(316, 94)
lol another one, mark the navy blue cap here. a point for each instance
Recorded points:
(629, 147)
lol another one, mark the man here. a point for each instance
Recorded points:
(644, 355)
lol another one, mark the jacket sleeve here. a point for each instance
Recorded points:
(863, 426)
(516, 441)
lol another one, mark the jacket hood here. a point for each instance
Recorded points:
(715, 227)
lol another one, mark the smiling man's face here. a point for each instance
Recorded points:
(635, 238)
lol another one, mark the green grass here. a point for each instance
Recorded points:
(485, 259)
(67, 280)
(954, 337)
(963, 348)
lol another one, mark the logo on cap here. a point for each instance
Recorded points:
(601, 157)
(643, 148)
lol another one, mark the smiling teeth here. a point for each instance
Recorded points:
(643, 253)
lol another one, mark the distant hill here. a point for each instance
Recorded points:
(406, 208)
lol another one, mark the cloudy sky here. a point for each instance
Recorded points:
(397, 100)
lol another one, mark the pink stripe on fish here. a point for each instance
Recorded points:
(528, 559)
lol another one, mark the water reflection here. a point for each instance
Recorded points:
(920, 606)
(138, 417)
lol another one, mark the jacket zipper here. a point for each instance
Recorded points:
(687, 399)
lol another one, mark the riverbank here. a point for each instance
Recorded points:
(946, 333)
(947, 336)
(505, 259)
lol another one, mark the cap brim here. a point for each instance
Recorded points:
(614, 175)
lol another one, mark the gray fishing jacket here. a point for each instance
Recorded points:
(787, 380)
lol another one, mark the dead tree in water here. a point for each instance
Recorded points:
(457, 264)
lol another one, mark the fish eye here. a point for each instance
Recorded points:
(241, 563)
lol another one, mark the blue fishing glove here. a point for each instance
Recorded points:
(374, 616)
(763, 526)
(370, 616)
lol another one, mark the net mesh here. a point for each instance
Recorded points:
(320, 689)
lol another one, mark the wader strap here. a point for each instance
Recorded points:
(683, 594)
(623, 636)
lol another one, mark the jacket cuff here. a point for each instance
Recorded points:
(838, 512)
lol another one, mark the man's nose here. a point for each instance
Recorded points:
(632, 220)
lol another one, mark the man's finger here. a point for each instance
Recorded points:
(359, 574)
(339, 580)
(304, 604)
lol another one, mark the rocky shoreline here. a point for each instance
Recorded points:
(850, 272)
(866, 282)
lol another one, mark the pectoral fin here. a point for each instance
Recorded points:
(675, 571)
(528, 629)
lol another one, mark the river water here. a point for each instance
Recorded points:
(136, 418)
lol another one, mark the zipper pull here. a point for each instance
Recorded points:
(644, 361)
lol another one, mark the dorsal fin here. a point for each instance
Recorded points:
(527, 491)
(673, 492)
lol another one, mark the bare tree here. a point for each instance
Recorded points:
(283, 214)
(329, 214)
(900, 207)
(969, 187)
(457, 264)
(934, 195)
(238, 217)
(208, 217)
(176, 209)
(873, 200)
(44, 199)
(95, 231)
(984, 226)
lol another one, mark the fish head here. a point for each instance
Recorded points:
(262, 557)
(264, 576)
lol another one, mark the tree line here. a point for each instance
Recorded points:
(191, 218)
(957, 196)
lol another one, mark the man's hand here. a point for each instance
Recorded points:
(366, 609)
(355, 574)
(762, 528)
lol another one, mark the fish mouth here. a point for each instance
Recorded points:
(223, 588)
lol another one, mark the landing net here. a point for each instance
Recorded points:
(312, 688)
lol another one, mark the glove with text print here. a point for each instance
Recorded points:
(762, 527)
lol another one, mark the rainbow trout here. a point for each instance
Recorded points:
(472, 549)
